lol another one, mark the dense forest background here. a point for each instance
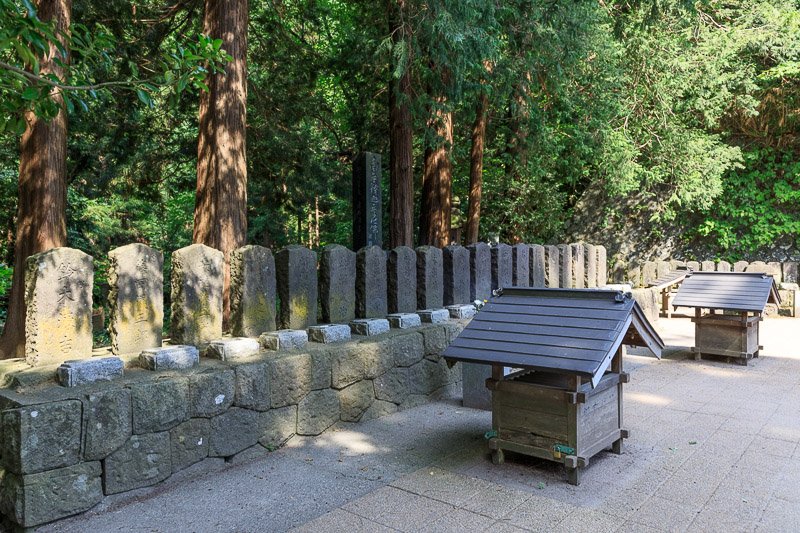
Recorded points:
(652, 127)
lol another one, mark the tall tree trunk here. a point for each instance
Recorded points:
(476, 169)
(220, 213)
(401, 167)
(437, 182)
(42, 193)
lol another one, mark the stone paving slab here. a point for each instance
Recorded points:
(713, 447)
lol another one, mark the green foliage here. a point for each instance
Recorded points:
(757, 208)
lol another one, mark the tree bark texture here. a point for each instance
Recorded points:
(42, 192)
(476, 169)
(220, 214)
(401, 166)
(437, 182)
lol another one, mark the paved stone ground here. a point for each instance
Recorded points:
(713, 447)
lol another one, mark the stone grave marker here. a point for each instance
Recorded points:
(790, 272)
(401, 265)
(296, 268)
(602, 265)
(578, 265)
(456, 274)
(480, 271)
(252, 291)
(371, 283)
(367, 200)
(649, 272)
(740, 266)
(694, 266)
(552, 266)
(708, 266)
(430, 270)
(538, 272)
(501, 266)
(723, 266)
(590, 265)
(521, 265)
(196, 282)
(565, 253)
(663, 268)
(337, 284)
(136, 298)
(58, 302)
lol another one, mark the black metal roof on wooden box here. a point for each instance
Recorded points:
(733, 291)
(671, 278)
(568, 331)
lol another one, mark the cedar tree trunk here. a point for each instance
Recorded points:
(220, 213)
(401, 168)
(476, 169)
(437, 182)
(41, 210)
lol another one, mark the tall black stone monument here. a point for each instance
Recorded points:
(367, 229)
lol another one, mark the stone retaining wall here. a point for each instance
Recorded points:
(62, 449)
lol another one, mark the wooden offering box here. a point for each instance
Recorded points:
(565, 404)
(743, 296)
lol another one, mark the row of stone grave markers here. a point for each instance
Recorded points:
(641, 275)
(341, 288)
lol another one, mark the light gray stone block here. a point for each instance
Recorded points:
(693, 265)
(58, 301)
(197, 279)
(284, 339)
(290, 378)
(789, 271)
(456, 274)
(355, 400)
(41, 437)
(36, 499)
(723, 266)
(337, 284)
(461, 311)
(369, 326)
(371, 283)
(135, 298)
(328, 333)
(278, 426)
(708, 266)
(252, 386)
(170, 358)
(189, 443)
(649, 272)
(480, 271)
(663, 268)
(317, 412)
(404, 320)
(401, 265)
(159, 405)
(475, 393)
(86, 371)
(211, 393)
(434, 316)
(502, 263)
(234, 348)
(107, 416)
(253, 289)
(297, 286)
(233, 431)
(740, 266)
(142, 461)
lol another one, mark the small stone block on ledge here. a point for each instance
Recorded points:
(404, 320)
(284, 339)
(461, 311)
(178, 357)
(328, 333)
(84, 371)
(233, 348)
(369, 326)
(434, 316)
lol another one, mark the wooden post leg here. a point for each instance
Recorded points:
(574, 476)
(665, 303)
(616, 447)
